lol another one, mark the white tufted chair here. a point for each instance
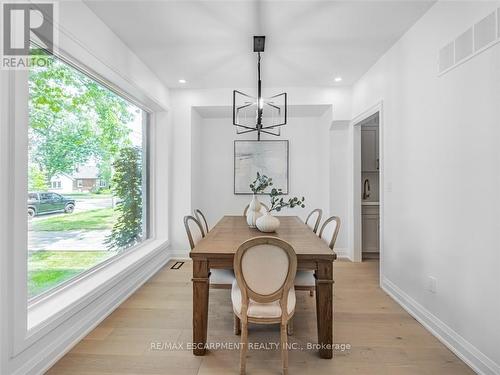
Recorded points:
(219, 278)
(263, 292)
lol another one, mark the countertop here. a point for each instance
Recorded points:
(370, 203)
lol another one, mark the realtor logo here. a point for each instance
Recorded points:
(25, 25)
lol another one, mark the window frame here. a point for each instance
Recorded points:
(33, 320)
(145, 188)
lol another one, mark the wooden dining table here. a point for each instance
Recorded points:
(216, 251)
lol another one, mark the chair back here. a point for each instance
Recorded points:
(265, 270)
(194, 230)
(201, 219)
(263, 207)
(329, 230)
(313, 223)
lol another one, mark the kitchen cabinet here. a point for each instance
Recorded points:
(370, 149)
(370, 221)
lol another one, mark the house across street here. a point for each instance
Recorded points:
(84, 179)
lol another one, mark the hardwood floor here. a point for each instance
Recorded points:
(383, 338)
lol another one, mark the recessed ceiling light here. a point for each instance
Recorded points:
(338, 79)
(182, 81)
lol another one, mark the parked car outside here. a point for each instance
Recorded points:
(47, 202)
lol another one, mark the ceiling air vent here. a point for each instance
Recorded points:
(485, 32)
(476, 39)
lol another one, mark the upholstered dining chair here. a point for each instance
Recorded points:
(329, 230)
(201, 219)
(263, 291)
(219, 278)
(311, 221)
(262, 209)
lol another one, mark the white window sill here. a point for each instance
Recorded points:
(57, 307)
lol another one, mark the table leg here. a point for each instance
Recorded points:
(200, 305)
(324, 308)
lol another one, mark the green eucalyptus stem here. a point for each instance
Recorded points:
(261, 183)
(278, 203)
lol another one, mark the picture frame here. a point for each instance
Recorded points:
(268, 157)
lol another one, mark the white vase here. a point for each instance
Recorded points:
(267, 223)
(253, 212)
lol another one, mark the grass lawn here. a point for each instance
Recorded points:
(102, 218)
(47, 269)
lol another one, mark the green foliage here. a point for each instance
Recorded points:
(37, 180)
(261, 183)
(73, 118)
(127, 186)
(278, 203)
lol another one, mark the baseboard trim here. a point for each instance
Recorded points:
(467, 352)
(92, 316)
(181, 255)
(342, 253)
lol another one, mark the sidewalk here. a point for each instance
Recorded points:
(74, 240)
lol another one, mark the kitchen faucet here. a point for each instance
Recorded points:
(366, 189)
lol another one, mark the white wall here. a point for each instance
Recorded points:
(182, 102)
(198, 153)
(339, 182)
(308, 166)
(87, 40)
(441, 150)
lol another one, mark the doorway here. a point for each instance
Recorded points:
(367, 182)
(370, 182)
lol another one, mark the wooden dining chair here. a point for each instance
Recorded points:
(201, 219)
(263, 292)
(219, 278)
(329, 230)
(310, 222)
(264, 207)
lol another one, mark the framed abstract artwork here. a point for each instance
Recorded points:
(269, 158)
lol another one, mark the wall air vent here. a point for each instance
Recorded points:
(463, 46)
(485, 32)
(470, 43)
(446, 57)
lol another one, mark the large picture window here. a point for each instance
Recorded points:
(86, 174)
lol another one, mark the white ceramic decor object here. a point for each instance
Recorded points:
(253, 212)
(267, 223)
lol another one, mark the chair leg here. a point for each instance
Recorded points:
(311, 292)
(243, 350)
(284, 349)
(237, 325)
(289, 327)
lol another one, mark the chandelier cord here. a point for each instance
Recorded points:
(260, 102)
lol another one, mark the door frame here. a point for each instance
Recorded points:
(355, 233)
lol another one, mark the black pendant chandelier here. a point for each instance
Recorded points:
(258, 114)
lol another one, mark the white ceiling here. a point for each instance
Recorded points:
(308, 43)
